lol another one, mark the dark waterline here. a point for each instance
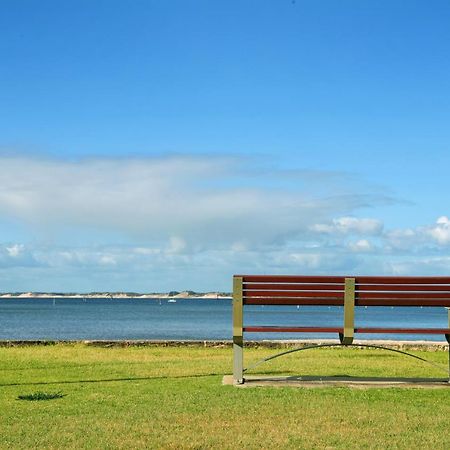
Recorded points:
(129, 319)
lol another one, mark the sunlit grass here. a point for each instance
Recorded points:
(156, 397)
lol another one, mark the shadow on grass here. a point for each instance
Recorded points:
(111, 380)
(262, 377)
(69, 366)
(39, 396)
(344, 379)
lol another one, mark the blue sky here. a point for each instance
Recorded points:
(153, 145)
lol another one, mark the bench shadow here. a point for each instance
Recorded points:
(273, 372)
(344, 379)
(110, 380)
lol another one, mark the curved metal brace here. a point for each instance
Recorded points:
(309, 347)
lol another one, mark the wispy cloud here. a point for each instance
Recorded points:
(350, 225)
(200, 201)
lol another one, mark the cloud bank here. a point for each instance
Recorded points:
(190, 222)
(203, 201)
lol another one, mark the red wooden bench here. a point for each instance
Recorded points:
(343, 291)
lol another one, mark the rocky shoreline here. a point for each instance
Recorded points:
(397, 345)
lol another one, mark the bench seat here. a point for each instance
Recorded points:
(288, 329)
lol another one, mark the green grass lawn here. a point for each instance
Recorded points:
(172, 397)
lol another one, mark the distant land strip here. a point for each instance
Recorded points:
(112, 295)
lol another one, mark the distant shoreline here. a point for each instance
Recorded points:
(118, 295)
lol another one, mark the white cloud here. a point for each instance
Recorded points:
(239, 246)
(140, 268)
(421, 237)
(16, 255)
(362, 245)
(350, 225)
(440, 232)
(176, 245)
(421, 265)
(401, 239)
(107, 260)
(15, 250)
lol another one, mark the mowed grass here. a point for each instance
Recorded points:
(172, 397)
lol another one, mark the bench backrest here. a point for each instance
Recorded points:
(331, 290)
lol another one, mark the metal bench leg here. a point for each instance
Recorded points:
(447, 336)
(238, 332)
(238, 360)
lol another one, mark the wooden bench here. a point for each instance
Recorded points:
(368, 291)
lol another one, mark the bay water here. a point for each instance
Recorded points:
(189, 319)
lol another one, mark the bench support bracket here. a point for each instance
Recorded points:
(310, 347)
(346, 337)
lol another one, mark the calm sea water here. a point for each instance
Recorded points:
(78, 319)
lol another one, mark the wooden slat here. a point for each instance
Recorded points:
(293, 286)
(340, 279)
(340, 286)
(402, 295)
(403, 302)
(299, 294)
(294, 301)
(402, 280)
(286, 329)
(403, 330)
(403, 287)
(290, 279)
(291, 329)
(315, 301)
